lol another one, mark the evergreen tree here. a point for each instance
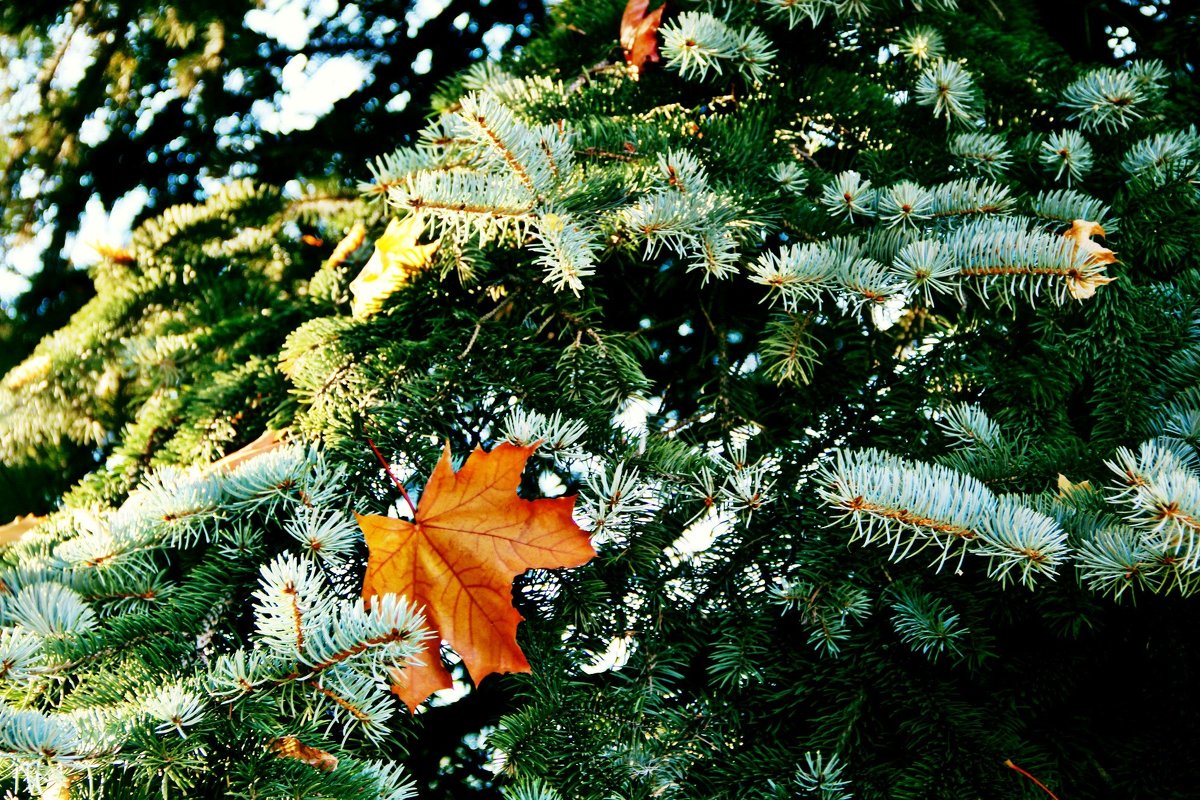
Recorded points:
(104, 98)
(889, 461)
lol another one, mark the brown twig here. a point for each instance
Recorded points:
(479, 326)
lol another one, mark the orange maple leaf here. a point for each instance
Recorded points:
(639, 34)
(470, 537)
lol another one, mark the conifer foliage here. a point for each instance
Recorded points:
(863, 337)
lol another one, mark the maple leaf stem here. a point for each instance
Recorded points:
(388, 469)
(1008, 763)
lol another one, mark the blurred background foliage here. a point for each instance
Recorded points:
(139, 105)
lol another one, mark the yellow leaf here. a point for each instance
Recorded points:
(397, 259)
(268, 441)
(1066, 488)
(57, 788)
(14, 530)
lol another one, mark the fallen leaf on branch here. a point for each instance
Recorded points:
(639, 35)
(291, 747)
(14, 530)
(396, 260)
(1066, 488)
(1083, 286)
(260, 446)
(470, 537)
(1081, 232)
